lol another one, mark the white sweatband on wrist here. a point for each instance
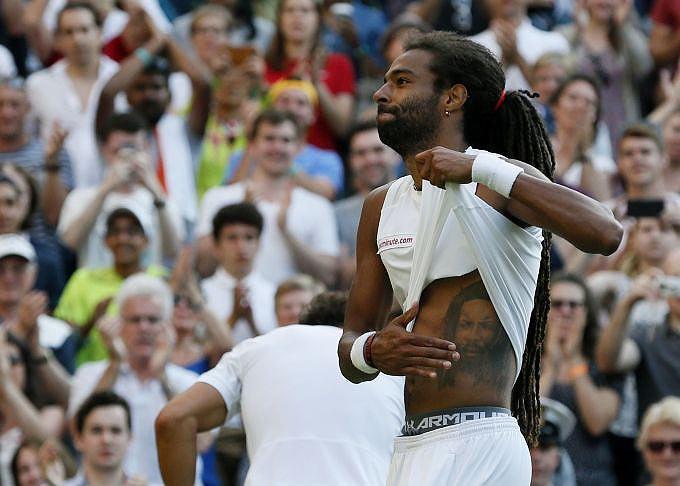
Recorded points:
(356, 354)
(495, 173)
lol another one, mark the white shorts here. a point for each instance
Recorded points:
(488, 451)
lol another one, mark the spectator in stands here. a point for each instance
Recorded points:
(296, 52)
(37, 463)
(293, 297)
(325, 421)
(577, 106)
(299, 232)
(547, 74)
(355, 32)
(371, 164)
(24, 312)
(89, 292)
(102, 434)
(20, 200)
(569, 376)
(396, 34)
(550, 464)
(515, 42)
(78, 79)
(145, 80)
(225, 131)
(314, 169)
(609, 47)
(202, 338)
(664, 39)
(47, 162)
(20, 417)
(650, 344)
(659, 441)
(245, 29)
(139, 343)
(642, 162)
(130, 181)
(239, 295)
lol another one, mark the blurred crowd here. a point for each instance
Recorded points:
(178, 176)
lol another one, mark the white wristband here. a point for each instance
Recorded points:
(356, 354)
(495, 173)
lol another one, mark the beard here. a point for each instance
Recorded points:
(414, 127)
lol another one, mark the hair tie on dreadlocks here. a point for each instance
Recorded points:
(529, 94)
(500, 101)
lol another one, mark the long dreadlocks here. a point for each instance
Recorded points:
(514, 130)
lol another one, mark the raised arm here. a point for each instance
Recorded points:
(198, 409)
(616, 352)
(585, 223)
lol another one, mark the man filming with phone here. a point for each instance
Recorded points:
(651, 350)
(129, 181)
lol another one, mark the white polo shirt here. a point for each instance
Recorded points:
(305, 423)
(53, 98)
(311, 220)
(146, 399)
(219, 297)
(532, 43)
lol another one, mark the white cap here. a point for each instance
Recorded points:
(143, 217)
(14, 244)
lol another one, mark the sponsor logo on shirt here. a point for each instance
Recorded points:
(398, 241)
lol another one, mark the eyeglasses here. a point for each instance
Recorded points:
(571, 304)
(659, 446)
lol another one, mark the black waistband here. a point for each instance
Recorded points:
(425, 422)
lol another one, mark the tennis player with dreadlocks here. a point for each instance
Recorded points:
(472, 360)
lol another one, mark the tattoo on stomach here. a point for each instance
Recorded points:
(486, 354)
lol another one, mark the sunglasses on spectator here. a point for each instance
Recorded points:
(658, 446)
(572, 304)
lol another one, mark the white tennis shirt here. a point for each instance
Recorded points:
(305, 423)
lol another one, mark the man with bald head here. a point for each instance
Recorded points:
(652, 350)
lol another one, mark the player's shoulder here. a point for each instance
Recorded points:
(376, 198)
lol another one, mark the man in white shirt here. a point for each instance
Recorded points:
(236, 293)
(515, 42)
(144, 78)
(139, 343)
(67, 92)
(130, 183)
(300, 232)
(304, 424)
